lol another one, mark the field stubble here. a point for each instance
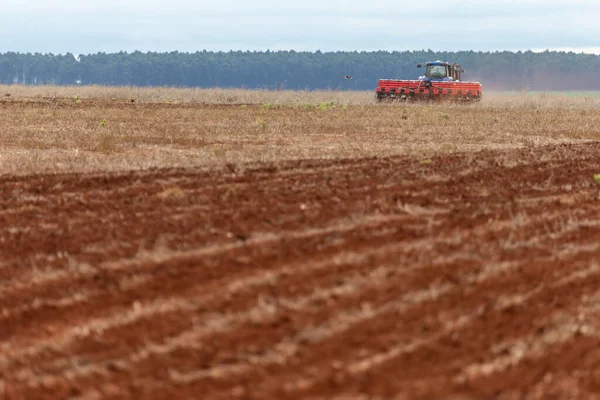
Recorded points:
(50, 129)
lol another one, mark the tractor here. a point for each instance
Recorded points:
(442, 81)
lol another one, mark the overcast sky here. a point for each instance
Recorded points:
(89, 26)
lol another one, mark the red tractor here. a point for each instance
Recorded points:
(442, 81)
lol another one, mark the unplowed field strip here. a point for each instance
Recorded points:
(392, 277)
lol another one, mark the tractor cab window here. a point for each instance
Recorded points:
(436, 71)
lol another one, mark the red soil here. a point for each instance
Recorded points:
(373, 278)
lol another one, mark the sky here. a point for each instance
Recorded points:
(90, 26)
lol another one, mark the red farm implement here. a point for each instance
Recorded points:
(442, 81)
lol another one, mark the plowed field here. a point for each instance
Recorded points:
(455, 276)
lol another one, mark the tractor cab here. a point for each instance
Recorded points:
(438, 71)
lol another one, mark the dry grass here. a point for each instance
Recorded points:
(46, 129)
(177, 96)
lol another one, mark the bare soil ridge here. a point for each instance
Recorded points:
(395, 277)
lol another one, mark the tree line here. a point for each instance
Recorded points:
(298, 70)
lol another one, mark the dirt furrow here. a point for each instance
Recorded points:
(424, 320)
(289, 278)
(52, 280)
(462, 346)
(186, 273)
(274, 356)
(303, 278)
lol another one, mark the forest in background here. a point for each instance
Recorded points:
(298, 70)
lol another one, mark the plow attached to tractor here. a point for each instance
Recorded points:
(442, 81)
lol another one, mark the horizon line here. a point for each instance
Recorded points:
(595, 51)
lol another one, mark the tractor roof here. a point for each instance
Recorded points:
(437, 63)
